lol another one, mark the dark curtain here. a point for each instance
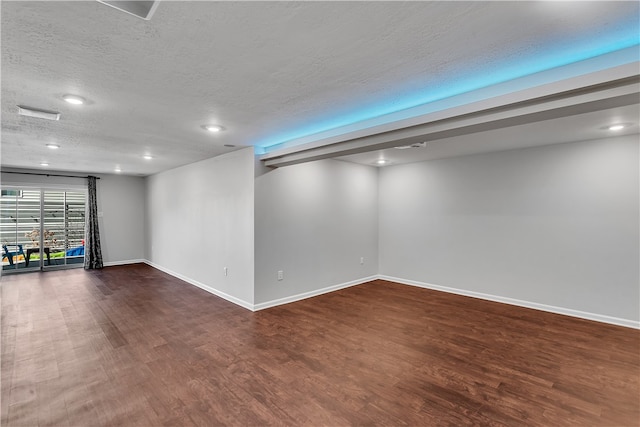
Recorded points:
(92, 251)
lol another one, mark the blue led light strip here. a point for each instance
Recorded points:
(515, 71)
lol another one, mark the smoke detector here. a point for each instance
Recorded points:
(415, 145)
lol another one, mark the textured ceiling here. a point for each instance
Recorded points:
(266, 71)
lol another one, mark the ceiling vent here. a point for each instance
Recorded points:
(416, 145)
(40, 114)
(141, 9)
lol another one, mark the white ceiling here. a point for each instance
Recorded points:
(266, 71)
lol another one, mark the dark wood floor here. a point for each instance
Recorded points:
(133, 346)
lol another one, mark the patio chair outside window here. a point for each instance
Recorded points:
(10, 251)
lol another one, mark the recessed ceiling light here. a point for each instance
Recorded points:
(53, 146)
(117, 170)
(381, 162)
(147, 157)
(44, 164)
(213, 128)
(616, 127)
(74, 99)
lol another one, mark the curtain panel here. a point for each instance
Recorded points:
(92, 252)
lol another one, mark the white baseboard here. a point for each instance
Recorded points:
(263, 305)
(202, 286)
(124, 262)
(552, 309)
(305, 295)
(286, 300)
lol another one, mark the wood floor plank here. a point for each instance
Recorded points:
(132, 346)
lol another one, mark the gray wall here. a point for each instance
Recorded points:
(314, 221)
(554, 225)
(200, 220)
(120, 200)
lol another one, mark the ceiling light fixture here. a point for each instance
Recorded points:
(117, 170)
(44, 164)
(147, 157)
(213, 128)
(39, 114)
(381, 162)
(74, 99)
(53, 146)
(616, 127)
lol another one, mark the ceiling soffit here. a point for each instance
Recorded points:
(620, 92)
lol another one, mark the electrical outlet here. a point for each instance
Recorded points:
(361, 260)
(226, 271)
(280, 274)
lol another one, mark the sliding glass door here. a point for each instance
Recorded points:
(63, 219)
(20, 228)
(41, 229)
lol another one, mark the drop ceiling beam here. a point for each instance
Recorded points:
(617, 93)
